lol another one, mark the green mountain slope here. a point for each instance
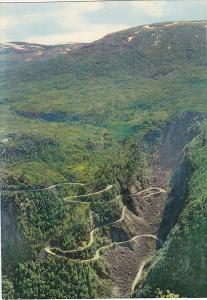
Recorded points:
(91, 118)
(164, 57)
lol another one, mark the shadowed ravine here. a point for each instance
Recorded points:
(149, 204)
(169, 172)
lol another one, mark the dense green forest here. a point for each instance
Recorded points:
(82, 134)
(39, 280)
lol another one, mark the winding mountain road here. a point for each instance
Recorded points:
(101, 249)
(50, 250)
(92, 233)
(157, 192)
(153, 192)
(45, 188)
(139, 274)
(71, 199)
(90, 194)
(87, 202)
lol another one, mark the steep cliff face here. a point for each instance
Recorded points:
(13, 247)
(177, 133)
(154, 214)
(168, 146)
(182, 258)
(176, 199)
(173, 151)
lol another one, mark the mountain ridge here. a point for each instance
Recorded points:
(146, 26)
(120, 37)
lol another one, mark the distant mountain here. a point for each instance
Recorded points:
(18, 52)
(153, 52)
(149, 51)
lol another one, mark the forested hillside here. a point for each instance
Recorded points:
(103, 164)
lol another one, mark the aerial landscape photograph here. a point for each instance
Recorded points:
(103, 147)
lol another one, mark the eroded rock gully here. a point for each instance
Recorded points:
(156, 214)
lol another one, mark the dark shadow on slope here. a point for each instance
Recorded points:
(177, 134)
(176, 199)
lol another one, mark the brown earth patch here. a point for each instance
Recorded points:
(124, 263)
